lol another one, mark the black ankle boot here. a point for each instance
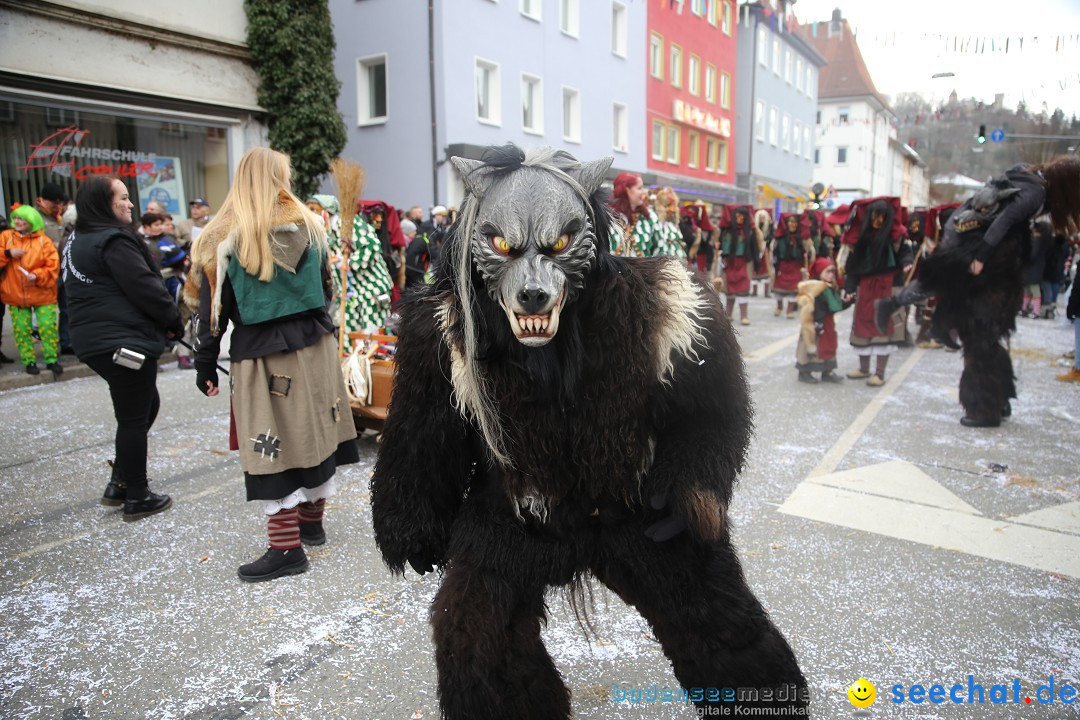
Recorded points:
(312, 533)
(116, 490)
(149, 504)
(273, 564)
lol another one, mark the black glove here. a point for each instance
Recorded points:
(176, 330)
(205, 372)
(667, 527)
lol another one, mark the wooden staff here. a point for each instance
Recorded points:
(915, 263)
(349, 177)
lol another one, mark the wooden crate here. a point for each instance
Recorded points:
(382, 382)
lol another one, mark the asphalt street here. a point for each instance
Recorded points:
(887, 541)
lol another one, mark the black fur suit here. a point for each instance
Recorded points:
(624, 434)
(993, 227)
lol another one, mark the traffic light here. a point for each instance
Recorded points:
(981, 137)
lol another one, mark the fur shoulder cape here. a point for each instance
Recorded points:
(214, 245)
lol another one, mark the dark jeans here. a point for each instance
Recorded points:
(135, 403)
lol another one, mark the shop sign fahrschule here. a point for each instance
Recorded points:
(57, 153)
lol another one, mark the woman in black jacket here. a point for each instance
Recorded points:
(121, 315)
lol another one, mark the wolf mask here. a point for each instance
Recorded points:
(531, 233)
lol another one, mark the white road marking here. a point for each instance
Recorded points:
(770, 349)
(1063, 518)
(848, 438)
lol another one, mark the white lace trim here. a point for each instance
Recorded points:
(327, 490)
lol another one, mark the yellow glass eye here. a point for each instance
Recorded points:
(501, 246)
(561, 243)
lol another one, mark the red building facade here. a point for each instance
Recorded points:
(690, 91)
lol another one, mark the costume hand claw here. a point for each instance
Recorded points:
(666, 528)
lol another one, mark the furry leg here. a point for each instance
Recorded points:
(491, 662)
(712, 628)
(987, 382)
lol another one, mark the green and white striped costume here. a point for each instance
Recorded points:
(649, 237)
(367, 303)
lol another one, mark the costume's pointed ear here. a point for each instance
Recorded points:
(591, 174)
(476, 181)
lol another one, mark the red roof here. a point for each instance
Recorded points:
(845, 75)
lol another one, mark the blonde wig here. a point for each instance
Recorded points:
(261, 187)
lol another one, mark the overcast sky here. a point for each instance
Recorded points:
(1039, 73)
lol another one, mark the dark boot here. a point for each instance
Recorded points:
(56, 368)
(273, 564)
(149, 504)
(312, 533)
(116, 490)
(831, 377)
(807, 378)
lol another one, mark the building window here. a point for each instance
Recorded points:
(817, 156)
(710, 12)
(697, 7)
(763, 46)
(710, 83)
(532, 104)
(806, 143)
(571, 115)
(488, 100)
(787, 65)
(810, 81)
(817, 120)
(785, 133)
(776, 56)
(618, 28)
(531, 8)
(721, 163)
(796, 139)
(671, 149)
(569, 17)
(371, 90)
(844, 116)
(657, 140)
(692, 148)
(620, 128)
(725, 20)
(715, 155)
(656, 56)
(798, 74)
(759, 120)
(676, 65)
(693, 69)
(774, 125)
(725, 90)
(841, 156)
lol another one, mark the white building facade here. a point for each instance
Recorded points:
(160, 93)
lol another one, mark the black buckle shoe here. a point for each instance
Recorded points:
(807, 378)
(273, 564)
(33, 369)
(312, 534)
(116, 491)
(831, 377)
(57, 369)
(149, 504)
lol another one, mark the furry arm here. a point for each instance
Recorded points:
(425, 459)
(704, 421)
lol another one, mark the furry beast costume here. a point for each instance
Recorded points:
(557, 390)
(993, 227)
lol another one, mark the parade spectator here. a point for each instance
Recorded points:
(3, 308)
(1057, 254)
(879, 258)
(763, 271)
(370, 287)
(1034, 268)
(52, 202)
(293, 422)
(189, 228)
(121, 315)
(415, 215)
(29, 268)
(1072, 312)
(818, 299)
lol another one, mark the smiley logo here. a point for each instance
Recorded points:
(862, 693)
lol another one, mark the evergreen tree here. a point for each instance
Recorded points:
(292, 48)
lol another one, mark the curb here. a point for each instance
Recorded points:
(12, 381)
